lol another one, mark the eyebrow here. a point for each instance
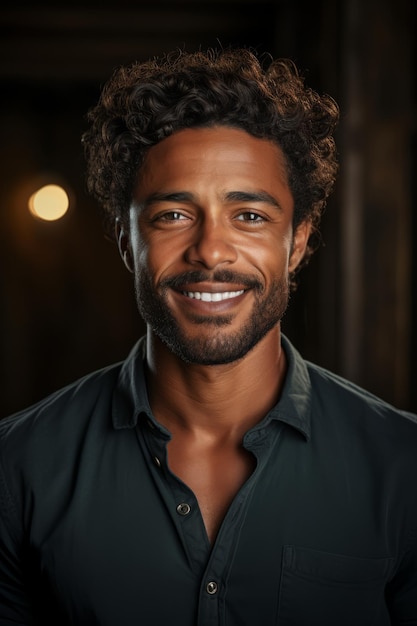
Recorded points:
(230, 196)
(170, 196)
(253, 196)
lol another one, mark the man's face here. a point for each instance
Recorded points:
(210, 242)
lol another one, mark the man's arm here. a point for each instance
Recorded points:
(401, 592)
(14, 604)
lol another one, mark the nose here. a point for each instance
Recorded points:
(212, 245)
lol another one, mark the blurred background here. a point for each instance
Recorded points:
(67, 302)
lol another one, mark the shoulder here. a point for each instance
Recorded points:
(60, 415)
(76, 418)
(360, 409)
(333, 402)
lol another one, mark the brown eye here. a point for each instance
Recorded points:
(250, 216)
(172, 216)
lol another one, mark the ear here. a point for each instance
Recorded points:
(123, 242)
(299, 244)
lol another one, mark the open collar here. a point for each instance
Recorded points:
(130, 398)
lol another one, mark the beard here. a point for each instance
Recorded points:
(219, 346)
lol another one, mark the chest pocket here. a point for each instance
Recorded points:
(322, 589)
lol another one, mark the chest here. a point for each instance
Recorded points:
(113, 552)
(214, 473)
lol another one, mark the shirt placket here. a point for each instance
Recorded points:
(214, 583)
(178, 497)
(211, 564)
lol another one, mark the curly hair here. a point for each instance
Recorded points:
(143, 103)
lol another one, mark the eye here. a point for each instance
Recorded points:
(171, 216)
(250, 216)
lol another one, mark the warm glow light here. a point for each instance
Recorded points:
(49, 203)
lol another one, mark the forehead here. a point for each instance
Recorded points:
(214, 157)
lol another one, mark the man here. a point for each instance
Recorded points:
(214, 477)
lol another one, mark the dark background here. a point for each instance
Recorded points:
(67, 303)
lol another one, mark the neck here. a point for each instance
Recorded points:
(223, 400)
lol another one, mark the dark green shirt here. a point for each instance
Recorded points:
(96, 530)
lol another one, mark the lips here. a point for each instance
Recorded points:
(217, 296)
(220, 282)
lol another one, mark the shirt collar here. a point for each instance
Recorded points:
(130, 397)
(294, 405)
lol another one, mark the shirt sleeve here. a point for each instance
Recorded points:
(15, 609)
(402, 590)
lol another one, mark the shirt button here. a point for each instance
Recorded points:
(157, 461)
(183, 508)
(211, 588)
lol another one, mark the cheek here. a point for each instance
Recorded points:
(141, 250)
(155, 261)
(271, 258)
(142, 262)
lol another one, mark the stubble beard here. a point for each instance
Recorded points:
(217, 347)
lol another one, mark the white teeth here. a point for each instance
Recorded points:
(206, 296)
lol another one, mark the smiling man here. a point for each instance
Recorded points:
(210, 241)
(214, 477)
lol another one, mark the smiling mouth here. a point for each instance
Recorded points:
(218, 296)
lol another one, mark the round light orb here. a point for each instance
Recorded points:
(49, 203)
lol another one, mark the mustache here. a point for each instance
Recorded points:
(220, 276)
